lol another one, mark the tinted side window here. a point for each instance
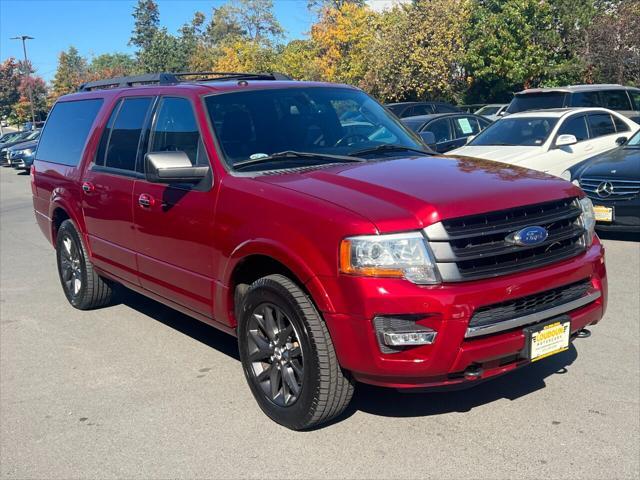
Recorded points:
(585, 99)
(122, 150)
(104, 140)
(465, 126)
(440, 129)
(635, 96)
(620, 125)
(66, 132)
(176, 130)
(422, 110)
(615, 100)
(576, 126)
(442, 108)
(601, 124)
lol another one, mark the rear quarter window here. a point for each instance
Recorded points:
(65, 134)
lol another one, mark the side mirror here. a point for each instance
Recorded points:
(566, 140)
(502, 113)
(428, 138)
(621, 140)
(172, 167)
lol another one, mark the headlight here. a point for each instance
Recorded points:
(588, 218)
(402, 255)
(566, 175)
(27, 152)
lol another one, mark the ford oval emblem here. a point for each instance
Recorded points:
(528, 236)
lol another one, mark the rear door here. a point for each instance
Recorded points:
(463, 128)
(174, 223)
(108, 189)
(602, 131)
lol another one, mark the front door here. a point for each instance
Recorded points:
(108, 190)
(174, 223)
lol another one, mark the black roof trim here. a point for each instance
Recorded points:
(166, 78)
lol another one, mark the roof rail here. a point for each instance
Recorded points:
(166, 78)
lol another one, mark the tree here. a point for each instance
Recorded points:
(511, 44)
(71, 72)
(341, 39)
(9, 86)
(613, 53)
(297, 59)
(110, 65)
(337, 4)
(147, 19)
(165, 53)
(243, 56)
(22, 109)
(417, 55)
(223, 25)
(256, 18)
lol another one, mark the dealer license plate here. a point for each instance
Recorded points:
(548, 339)
(603, 214)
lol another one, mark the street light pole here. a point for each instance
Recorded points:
(27, 72)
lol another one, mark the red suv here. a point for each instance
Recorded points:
(304, 219)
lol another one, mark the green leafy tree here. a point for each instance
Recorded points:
(9, 86)
(511, 44)
(72, 71)
(297, 59)
(146, 24)
(112, 65)
(165, 53)
(222, 26)
(257, 20)
(417, 55)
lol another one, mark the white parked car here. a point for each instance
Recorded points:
(550, 141)
(493, 111)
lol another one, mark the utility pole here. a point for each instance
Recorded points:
(27, 71)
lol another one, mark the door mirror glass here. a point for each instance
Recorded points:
(428, 138)
(173, 167)
(566, 140)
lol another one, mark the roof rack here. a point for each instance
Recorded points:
(166, 78)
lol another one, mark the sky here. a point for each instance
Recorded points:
(104, 26)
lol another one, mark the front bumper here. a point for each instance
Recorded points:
(447, 309)
(626, 215)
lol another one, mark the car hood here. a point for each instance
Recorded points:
(410, 193)
(507, 154)
(23, 145)
(623, 163)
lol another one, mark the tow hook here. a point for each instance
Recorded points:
(584, 333)
(473, 373)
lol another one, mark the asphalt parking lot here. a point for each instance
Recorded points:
(137, 390)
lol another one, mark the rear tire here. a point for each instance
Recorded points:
(283, 341)
(82, 286)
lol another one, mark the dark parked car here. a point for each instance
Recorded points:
(450, 130)
(624, 100)
(22, 154)
(612, 181)
(336, 253)
(411, 109)
(24, 136)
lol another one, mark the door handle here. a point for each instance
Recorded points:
(88, 187)
(145, 200)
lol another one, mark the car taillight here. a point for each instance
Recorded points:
(32, 175)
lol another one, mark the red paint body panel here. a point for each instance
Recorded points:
(184, 248)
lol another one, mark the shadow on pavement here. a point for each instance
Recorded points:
(620, 236)
(376, 400)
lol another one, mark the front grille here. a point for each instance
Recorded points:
(475, 247)
(500, 312)
(621, 189)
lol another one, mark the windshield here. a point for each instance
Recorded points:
(33, 135)
(529, 131)
(10, 137)
(256, 124)
(536, 101)
(634, 141)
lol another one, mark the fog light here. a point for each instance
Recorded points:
(401, 339)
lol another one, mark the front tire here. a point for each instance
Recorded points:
(82, 286)
(288, 357)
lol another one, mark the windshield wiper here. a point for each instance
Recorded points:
(298, 155)
(389, 147)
